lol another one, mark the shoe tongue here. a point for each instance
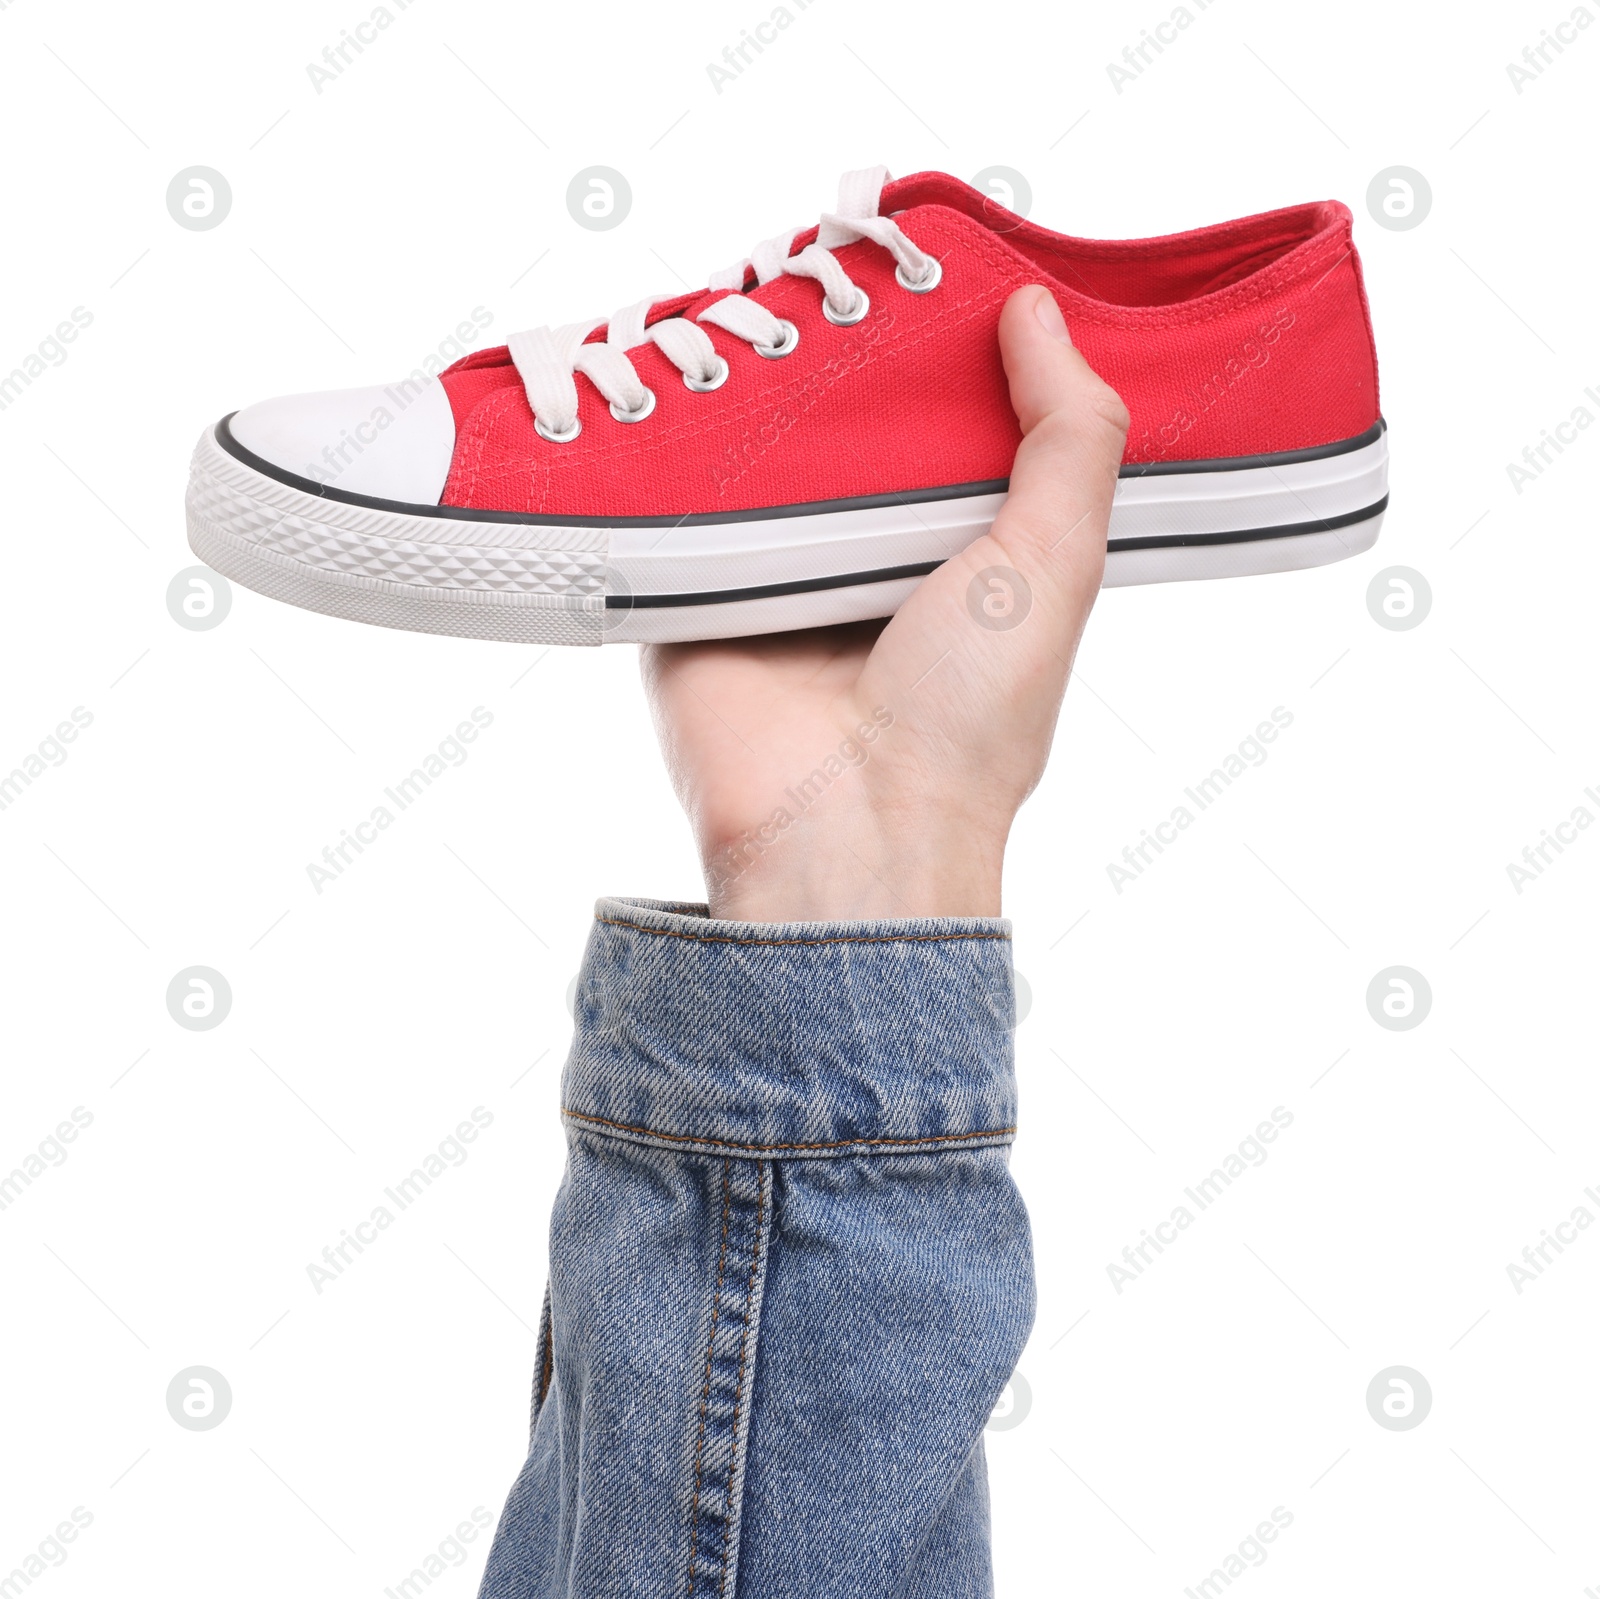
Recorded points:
(859, 193)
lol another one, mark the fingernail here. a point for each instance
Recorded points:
(1049, 313)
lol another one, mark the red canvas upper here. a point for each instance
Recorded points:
(1244, 338)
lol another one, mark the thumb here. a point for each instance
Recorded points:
(1053, 524)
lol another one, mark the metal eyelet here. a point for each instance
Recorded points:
(646, 406)
(558, 438)
(706, 385)
(929, 279)
(848, 319)
(776, 352)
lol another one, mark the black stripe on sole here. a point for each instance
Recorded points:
(1325, 524)
(891, 574)
(860, 502)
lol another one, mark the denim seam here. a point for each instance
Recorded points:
(720, 1450)
(766, 1149)
(776, 943)
(738, 1387)
(705, 1393)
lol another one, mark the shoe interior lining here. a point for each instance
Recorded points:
(1130, 272)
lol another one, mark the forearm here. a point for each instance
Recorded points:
(790, 1273)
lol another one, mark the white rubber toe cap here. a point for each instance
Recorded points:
(391, 443)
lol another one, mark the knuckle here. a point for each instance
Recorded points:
(1095, 416)
(1106, 405)
(1055, 430)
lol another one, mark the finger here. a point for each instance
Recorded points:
(1054, 520)
(1007, 611)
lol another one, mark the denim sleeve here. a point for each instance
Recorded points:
(790, 1272)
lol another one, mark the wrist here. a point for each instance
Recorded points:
(877, 869)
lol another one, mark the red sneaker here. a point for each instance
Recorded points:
(804, 440)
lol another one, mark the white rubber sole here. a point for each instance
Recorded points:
(497, 576)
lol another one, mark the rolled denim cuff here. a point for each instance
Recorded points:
(792, 1039)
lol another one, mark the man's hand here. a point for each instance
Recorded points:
(873, 770)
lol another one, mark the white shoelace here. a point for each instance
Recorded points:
(547, 358)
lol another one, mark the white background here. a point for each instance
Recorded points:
(368, 220)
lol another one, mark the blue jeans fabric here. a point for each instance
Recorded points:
(790, 1273)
